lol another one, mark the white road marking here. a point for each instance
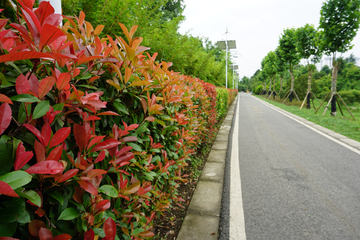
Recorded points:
(237, 220)
(312, 128)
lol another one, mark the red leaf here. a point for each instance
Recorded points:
(55, 154)
(3, 22)
(87, 186)
(108, 113)
(29, 3)
(49, 34)
(146, 234)
(110, 229)
(63, 236)
(132, 127)
(123, 150)
(35, 131)
(39, 151)
(102, 206)
(95, 172)
(150, 118)
(32, 22)
(100, 157)
(144, 189)
(124, 158)
(89, 235)
(110, 143)
(45, 234)
(46, 167)
(129, 139)
(80, 136)
(8, 238)
(5, 99)
(34, 84)
(69, 174)
(95, 140)
(22, 157)
(128, 215)
(92, 118)
(46, 133)
(23, 32)
(45, 86)
(22, 85)
(7, 190)
(43, 11)
(5, 117)
(63, 81)
(60, 136)
(53, 19)
(15, 56)
(34, 226)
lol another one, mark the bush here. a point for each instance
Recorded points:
(350, 96)
(94, 132)
(221, 102)
(257, 90)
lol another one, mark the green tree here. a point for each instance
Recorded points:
(269, 66)
(339, 22)
(280, 67)
(307, 43)
(289, 54)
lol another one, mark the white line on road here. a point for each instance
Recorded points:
(237, 220)
(312, 128)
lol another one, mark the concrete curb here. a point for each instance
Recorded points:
(203, 215)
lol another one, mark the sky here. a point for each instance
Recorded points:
(255, 25)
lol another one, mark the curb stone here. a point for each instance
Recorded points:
(203, 216)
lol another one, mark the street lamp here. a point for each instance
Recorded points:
(234, 68)
(226, 45)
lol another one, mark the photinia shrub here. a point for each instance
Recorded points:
(94, 133)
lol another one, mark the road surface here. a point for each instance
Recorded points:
(296, 183)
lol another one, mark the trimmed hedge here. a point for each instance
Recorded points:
(223, 100)
(94, 132)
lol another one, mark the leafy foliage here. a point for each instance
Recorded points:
(94, 131)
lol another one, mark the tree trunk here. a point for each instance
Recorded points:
(281, 83)
(309, 89)
(333, 86)
(274, 92)
(292, 85)
(270, 86)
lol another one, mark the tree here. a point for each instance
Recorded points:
(289, 54)
(263, 75)
(307, 43)
(280, 67)
(339, 22)
(270, 70)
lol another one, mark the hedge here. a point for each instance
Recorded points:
(94, 133)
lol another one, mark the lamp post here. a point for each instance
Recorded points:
(226, 45)
(234, 68)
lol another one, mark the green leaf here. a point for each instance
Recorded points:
(31, 195)
(120, 108)
(41, 109)
(22, 112)
(135, 147)
(6, 160)
(14, 210)
(16, 179)
(25, 98)
(109, 190)
(57, 195)
(8, 229)
(141, 129)
(69, 214)
(58, 107)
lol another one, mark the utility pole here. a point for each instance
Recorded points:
(56, 4)
(226, 45)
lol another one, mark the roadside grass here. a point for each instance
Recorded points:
(344, 125)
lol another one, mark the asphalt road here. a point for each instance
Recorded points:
(296, 183)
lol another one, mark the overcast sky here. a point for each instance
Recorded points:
(255, 25)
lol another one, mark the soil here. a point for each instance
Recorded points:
(168, 226)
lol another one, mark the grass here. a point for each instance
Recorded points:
(344, 125)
